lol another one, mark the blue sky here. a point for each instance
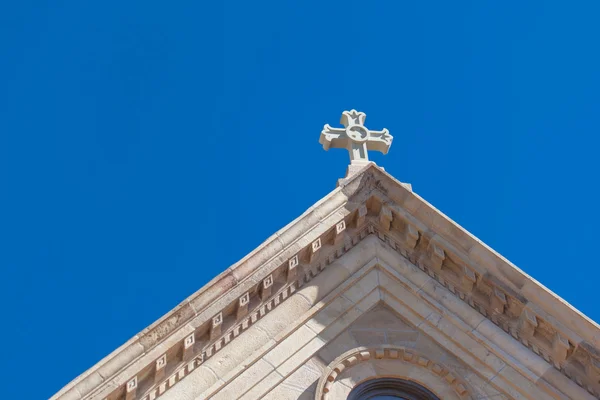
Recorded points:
(146, 146)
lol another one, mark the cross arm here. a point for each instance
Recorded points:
(379, 141)
(333, 137)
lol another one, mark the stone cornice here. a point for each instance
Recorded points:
(370, 202)
(152, 380)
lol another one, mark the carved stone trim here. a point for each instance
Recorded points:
(445, 264)
(558, 352)
(461, 290)
(217, 345)
(388, 352)
(292, 282)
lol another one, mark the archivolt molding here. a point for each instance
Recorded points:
(400, 354)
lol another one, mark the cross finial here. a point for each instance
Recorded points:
(355, 137)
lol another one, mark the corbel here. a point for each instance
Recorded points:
(159, 372)
(361, 216)
(131, 389)
(188, 346)
(266, 287)
(339, 234)
(385, 218)
(292, 269)
(560, 348)
(411, 236)
(468, 279)
(242, 307)
(314, 250)
(527, 323)
(434, 256)
(497, 301)
(215, 327)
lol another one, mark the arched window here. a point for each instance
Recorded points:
(390, 389)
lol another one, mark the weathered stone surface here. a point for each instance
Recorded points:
(290, 345)
(245, 381)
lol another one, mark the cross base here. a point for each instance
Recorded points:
(356, 166)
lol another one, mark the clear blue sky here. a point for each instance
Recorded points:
(146, 146)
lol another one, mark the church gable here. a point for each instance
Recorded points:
(373, 272)
(347, 303)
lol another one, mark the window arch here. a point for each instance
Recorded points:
(400, 367)
(390, 389)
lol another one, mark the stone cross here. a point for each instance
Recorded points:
(355, 137)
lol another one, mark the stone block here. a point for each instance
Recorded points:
(242, 306)
(284, 392)
(370, 301)
(304, 377)
(119, 360)
(557, 381)
(284, 316)
(159, 368)
(400, 308)
(72, 395)
(86, 385)
(245, 381)
(402, 276)
(361, 254)
(362, 287)
(338, 391)
(289, 345)
(520, 387)
(329, 279)
(453, 304)
(412, 308)
(402, 338)
(329, 313)
(188, 346)
(263, 386)
(385, 218)
(489, 333)
(301, 356)
(369, 338)
(237, 351)
(351, 315)
(381, 317)
(339, 345)
(193, 386)
(392, 368)
(357, 373)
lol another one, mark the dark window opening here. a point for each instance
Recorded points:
(391, 389)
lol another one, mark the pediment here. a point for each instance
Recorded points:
(505, 311)
(457, 346)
